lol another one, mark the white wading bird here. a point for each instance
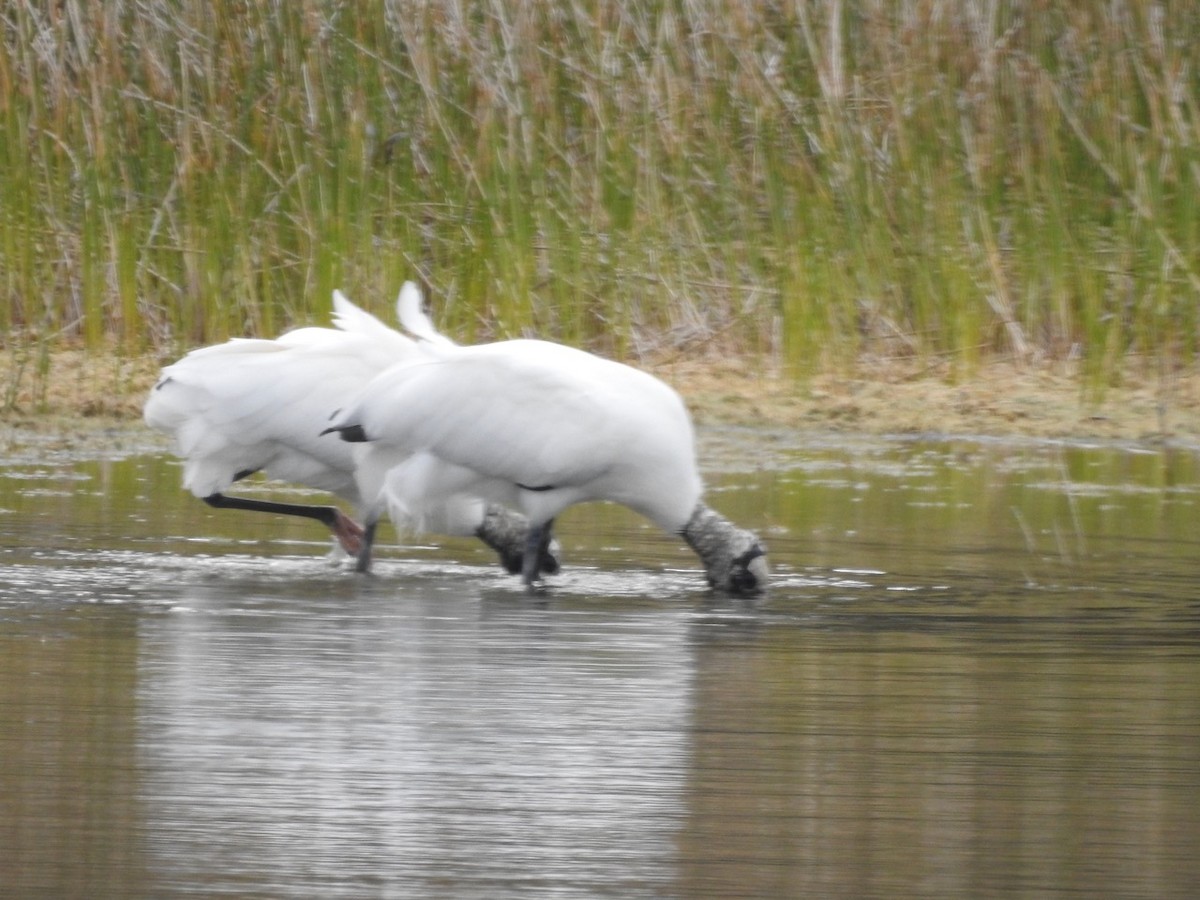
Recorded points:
(252, 405)
(538, 426)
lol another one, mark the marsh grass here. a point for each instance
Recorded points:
(808, 182)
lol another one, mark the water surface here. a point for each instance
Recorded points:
(975, 674)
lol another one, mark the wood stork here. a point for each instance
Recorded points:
(252, 405)
(540, 426)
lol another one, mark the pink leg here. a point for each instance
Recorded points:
(348, 533)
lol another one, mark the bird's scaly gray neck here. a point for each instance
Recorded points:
(504, 531)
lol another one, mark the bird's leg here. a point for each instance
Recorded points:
(537, 551)
(364, 554)
(348, 532)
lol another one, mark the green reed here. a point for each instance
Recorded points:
(813, 181)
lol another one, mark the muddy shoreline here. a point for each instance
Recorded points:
(92, 402)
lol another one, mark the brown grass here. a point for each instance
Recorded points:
(82, 391)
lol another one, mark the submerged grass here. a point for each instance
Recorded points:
(809, 181)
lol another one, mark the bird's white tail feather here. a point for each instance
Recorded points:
(409, 309)
(457, 515)
(424, 494)
(353, 320)
(349, 317)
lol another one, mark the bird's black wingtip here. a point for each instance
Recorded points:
(354, 434)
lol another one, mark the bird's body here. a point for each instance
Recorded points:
(253, 405)
(260, 405)
(534, 424)
(540, 426)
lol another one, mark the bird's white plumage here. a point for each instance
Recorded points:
(250, 404)
(532, 423)
(410, 308)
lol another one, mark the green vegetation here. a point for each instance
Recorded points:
(809, 180)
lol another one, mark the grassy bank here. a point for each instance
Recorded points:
(811, 183)
(82, 398)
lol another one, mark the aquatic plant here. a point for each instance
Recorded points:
(814, 181)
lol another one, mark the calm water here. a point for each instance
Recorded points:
(977, 674)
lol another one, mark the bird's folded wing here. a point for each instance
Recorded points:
(501, 416)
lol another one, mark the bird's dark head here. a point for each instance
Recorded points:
(735, 560)
(748, 571)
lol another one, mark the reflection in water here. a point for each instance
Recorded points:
(418, 743)
(975, 675)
